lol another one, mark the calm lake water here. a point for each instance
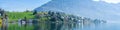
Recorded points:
(60, 26)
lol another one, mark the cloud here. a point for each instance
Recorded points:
(96, 0)
(110, 1)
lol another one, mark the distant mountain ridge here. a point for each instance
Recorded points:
(85, 8)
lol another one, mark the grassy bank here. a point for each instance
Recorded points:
(14, 16)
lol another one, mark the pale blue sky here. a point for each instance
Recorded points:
(21, 5)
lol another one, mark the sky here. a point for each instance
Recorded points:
(21, 5)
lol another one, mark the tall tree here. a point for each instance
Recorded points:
(1, 12)
(35, 12)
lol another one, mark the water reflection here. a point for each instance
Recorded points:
(4, 26)
(49, 26)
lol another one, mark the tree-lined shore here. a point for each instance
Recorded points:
(48, 16)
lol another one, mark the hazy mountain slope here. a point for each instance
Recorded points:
(84, 8)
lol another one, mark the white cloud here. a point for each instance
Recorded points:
(96, 0)
(110, 1)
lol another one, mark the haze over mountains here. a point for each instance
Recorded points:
(84, 8)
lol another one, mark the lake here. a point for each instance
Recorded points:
(60, 26)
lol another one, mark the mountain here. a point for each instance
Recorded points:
(84, 8)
